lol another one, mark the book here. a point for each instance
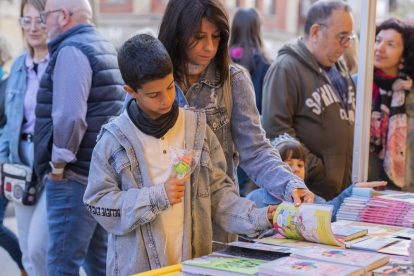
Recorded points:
(347, 233)
(310, 222)
(218, 266)
(399, 248)
(365, 260)
(254, 254)
(295, 244)
(373, 243)
(260, 246)
(374, 229)
(290, 266)
(395, 267)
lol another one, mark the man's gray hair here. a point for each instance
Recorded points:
(4, 50)
(321, 11)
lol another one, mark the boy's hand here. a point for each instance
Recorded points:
(271, 212)
(302, 195)
(370, 184)
(175, 190)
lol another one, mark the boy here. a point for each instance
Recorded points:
(132, 187)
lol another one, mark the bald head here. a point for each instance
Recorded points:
(81, 9)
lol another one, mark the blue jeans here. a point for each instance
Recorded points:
(8, 239)
(76, 239)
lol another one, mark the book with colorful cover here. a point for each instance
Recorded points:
(310, 222)
(347, 233)
(365, 260)
(290, 266)
(395, 267)
(212, 265)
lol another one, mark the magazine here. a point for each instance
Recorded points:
(309, 222)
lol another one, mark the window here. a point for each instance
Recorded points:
(269, 6)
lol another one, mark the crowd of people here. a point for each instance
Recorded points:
(98, 128)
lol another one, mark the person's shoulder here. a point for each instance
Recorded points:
(19, 62)
(238, 72)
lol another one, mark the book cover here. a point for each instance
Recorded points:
(248, 253)
(310, 222)
(212, 265)
(368, 261)
(400, 248)
(374, 229)
(348, 233)
(260, 246)
(395, 268)
(293, 266)
(283, 242)
(373, 243)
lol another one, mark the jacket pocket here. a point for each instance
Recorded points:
(119, 160)
(206, 166)
(218, 121)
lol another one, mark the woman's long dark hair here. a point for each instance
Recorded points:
(246, 34)
(406, 29)
(181, 20)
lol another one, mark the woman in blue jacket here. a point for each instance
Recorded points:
(16, 142)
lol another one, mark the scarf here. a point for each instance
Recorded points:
(156, 128)
(195, 69)
(388, 133)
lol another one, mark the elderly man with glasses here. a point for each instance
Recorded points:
(309, 94)
(79, 92)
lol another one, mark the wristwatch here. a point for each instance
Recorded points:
(54, 170)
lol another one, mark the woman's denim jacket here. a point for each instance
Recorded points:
(243, 138)
(122, 198)
(15, 89)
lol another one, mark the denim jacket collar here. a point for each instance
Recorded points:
(211, 76)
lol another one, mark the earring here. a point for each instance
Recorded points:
(401, 66)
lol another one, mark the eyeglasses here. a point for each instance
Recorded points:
(26, 22)
(343, 39)
(44, 14)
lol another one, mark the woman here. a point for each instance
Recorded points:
(15, 143)
(8, 239)
(196, 34)
(392, 119)
(246, 49)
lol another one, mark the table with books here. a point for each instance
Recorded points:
(372, 236)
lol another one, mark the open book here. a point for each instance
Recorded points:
(310, 222)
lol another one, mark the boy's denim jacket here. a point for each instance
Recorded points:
(15, 89)
(122, 198)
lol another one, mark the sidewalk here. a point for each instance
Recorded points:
(7, 266)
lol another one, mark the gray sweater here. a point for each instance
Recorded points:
(299, 99)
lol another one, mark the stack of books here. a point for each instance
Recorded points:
(392, 209)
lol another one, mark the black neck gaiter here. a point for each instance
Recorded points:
(156, 128)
